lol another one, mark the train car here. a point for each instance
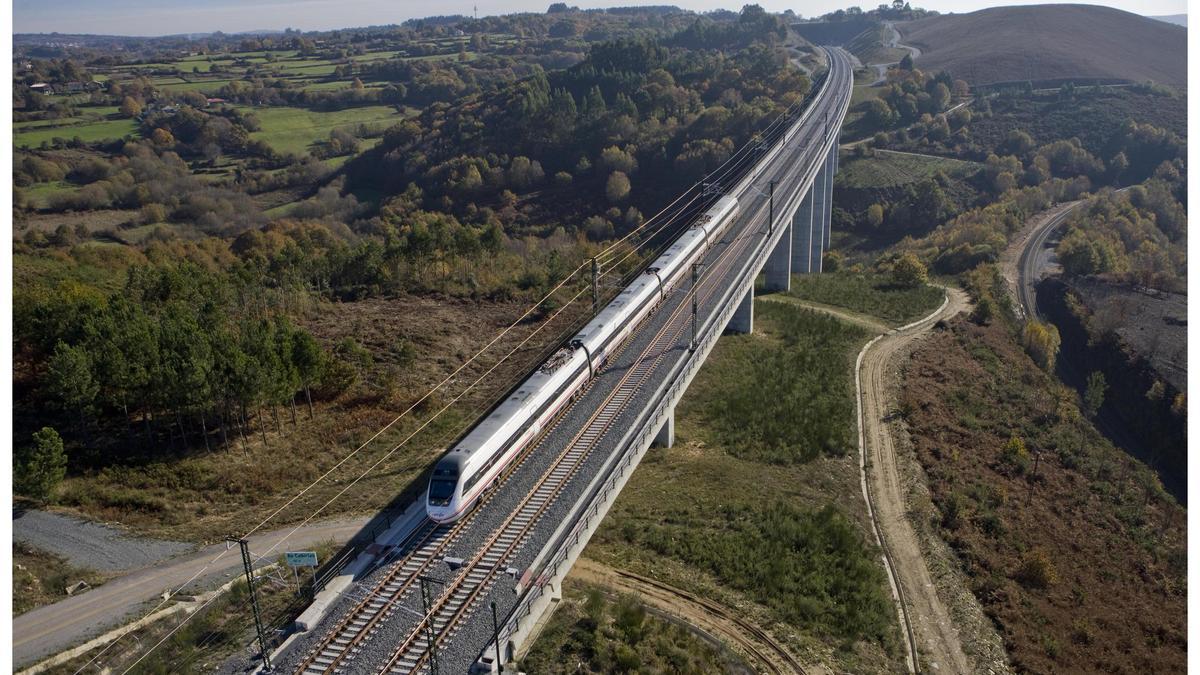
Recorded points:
(477, 461)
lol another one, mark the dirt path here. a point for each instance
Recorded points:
(893, 42)
(722, 622)
(928, 619)
(869, 322)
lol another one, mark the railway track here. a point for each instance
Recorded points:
(342, 642)
(456, 602)
(778, 659)
(477, 576)
(429, 541)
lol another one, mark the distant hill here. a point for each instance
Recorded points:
(1177, 19)
(1050, 42)
(833, 32)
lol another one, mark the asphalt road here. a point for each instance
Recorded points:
(47, 630)
(1037, 257)
(457, 652)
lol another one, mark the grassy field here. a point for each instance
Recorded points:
(90, 131)
(40, 578)
(40, 194)
(91, 113)
(757, 505)
(202, 86)
(865, 92)
(589, 633)
(867, 293)
(295, 129)
(890, 169)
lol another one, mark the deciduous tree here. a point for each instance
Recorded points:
(617, 188)
(909, 272)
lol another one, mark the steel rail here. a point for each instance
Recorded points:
(459, 594)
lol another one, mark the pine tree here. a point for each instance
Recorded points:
(69, 377)
(41, 466)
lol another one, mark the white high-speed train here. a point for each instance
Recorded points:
(478, 459)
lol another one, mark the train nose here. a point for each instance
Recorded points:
(439, 514)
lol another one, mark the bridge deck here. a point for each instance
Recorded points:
(660, 344)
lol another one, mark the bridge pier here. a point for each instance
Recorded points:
(820, 206)
(831, 169)
(666, 433)
(802, 231)
(778, 269)
(742, 320)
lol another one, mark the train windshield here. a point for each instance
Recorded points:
(441, 490)
(441, 486)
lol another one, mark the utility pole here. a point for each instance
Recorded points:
(430, 632)
(595, 286)
(258, 626)
(771, 222)
(496, 637)
(695, 302)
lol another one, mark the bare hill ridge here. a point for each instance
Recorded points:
(1049, 42)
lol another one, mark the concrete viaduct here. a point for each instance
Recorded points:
(791, 227)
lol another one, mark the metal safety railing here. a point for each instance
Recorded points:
(610, 480)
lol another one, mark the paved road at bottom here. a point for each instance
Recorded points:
(45, 631)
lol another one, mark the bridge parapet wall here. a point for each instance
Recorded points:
(543, 590)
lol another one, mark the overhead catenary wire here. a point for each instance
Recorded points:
(731, 164)
(371, 468)
(353, 453)
(663, 246)
(723, 170)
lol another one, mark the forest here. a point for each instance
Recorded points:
(169, 276)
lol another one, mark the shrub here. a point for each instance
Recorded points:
(953, 508)
(1037, 570)
(1041, 342)
(631, 617)
(984, 312)
(617, 188)
(1015, 454)
(1093, 395)
(153, 213)
(1082, 632)
(909, 272)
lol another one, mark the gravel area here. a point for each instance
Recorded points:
(91, 545)
(460, 649)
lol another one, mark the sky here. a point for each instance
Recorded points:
(168, 17)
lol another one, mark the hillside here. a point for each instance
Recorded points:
(1048, 42)
(1177, 19)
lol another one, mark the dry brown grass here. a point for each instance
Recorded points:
(415, 343)
(1079, 557)
(1044, 42)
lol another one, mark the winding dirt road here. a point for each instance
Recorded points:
(893, 42)
(928, 618)
(763, 651)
